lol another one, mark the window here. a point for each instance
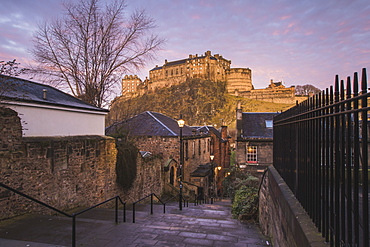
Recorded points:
(251, 154)
(269, 123)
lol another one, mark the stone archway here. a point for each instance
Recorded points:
(171, 166)
(172, 175)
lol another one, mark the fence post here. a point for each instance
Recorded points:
(73, 230)
(133, 213)
(124, 212)
(116, 210)
(151, 203)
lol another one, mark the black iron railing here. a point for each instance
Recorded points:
(74, 215)
(151, 205)
(321, 150)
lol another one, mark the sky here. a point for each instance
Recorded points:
(295, 41)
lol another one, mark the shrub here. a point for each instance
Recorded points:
(245, 203)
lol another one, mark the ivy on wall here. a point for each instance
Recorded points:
(126, 162)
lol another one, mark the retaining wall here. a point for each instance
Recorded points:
(282, 217)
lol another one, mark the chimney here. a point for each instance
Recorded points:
(224, 132)
(44, 91)
(239, 120)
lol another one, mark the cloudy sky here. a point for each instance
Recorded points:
(296, 41)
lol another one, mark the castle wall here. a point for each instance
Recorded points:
(280, 95)
(206, 67)
(239, 79)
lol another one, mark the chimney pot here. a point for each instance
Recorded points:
(44, 91)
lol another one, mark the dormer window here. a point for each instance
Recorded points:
(269, 123)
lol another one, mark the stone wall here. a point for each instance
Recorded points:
(239, 79)
(280, 95)
(149, 179)
(64, 172)
(282, 217)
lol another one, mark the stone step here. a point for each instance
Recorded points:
(202, 225)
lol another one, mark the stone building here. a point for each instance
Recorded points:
(158, 134)
(220, 151)
(276, 92)
(208, 67)
(133, 86)
(254, 140)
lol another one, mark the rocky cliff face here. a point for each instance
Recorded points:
(199, 101)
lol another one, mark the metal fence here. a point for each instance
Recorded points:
(321, 150)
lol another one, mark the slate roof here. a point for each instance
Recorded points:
(17, 89)
(254, 125)
(181, 62)
(201, 171)
(206, 130)
(149, 124)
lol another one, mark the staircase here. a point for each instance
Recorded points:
(201, 225)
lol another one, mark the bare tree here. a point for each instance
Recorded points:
(91, 47)
(11, 68)
(306, 89)
(8, 70)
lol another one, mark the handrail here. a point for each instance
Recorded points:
(74, 215)
(151, 205)
(171, 198)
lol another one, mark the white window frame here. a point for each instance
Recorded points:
(251, 154)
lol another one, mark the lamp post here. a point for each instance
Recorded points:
(213, 178)
(181, 124)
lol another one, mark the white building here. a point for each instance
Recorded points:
(46, 111)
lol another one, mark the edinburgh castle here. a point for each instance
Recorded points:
(207, 67)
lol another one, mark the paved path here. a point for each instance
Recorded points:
(201, 225)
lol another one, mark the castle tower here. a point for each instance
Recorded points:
(239, 80)
(130, 84)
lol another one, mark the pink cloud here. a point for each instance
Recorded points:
(195, 17)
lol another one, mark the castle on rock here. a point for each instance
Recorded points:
(208, 67)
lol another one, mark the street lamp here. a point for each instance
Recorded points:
(181, 123)
(213, 178)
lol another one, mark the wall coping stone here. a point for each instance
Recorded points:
(303, 229)
(65, 138)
